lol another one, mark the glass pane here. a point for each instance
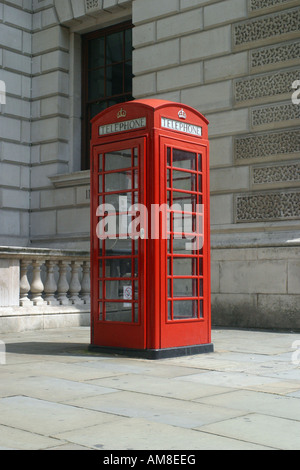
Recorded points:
(118, 160)
(184, 266)
(184, 180)
(96, 84)
(128, 44)
(199, 162)
(118, 268)
(182, 199)
(100, 162)
(118, 181)
(200, 184)
(128, 77)
(169, 155)
(169, 310)
(96, 53)
(100, 183)
(114, 47)
(118, 290)
(184, 309)
(183, 159)
(136, 313)
(100, 311)
(121, 202)
(97, 108)
(200, 267)
(185, 287)
(114, 80)
(181, 247)
(118, 312)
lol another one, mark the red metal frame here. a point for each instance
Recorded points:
(160, 134)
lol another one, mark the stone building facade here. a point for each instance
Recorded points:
(236, 61)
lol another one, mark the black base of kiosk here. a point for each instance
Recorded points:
(154, 354)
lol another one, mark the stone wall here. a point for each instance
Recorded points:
(256, 287)
(15, 72)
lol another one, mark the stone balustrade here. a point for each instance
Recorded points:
(44, 282)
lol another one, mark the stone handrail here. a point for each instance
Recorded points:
(51, 277)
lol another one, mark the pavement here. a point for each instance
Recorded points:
(57, 395)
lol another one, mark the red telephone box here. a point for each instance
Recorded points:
(150, 233)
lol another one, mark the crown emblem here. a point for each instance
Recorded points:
(121, 114)
(182, 114)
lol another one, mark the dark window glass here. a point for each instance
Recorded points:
(106, 75)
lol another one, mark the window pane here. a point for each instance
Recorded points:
(118, 181)
(128, 44)
(184, 309)
(119, 290)
(184, 266)
(114, 80)
(96, 53)
(118, 267)
(128, 77)
(118, 312)
(114, 47)
(185, 287)
(184, 180)
(183, 159)
(182, 246)
(118, 160)
(184, 199)
(96, 84)
(121, 202)
(97, 108)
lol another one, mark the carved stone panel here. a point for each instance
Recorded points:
(283, 25)
(279, 55)
(279, 115)
(92, 5)
(268, 206)
(269, 86)
(256, 5)
(288, 173)
(266, 146)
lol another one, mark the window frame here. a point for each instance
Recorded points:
(85, 102)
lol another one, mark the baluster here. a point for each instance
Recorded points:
(75, 286)
(50, 284)
(63, 285)
(24, 284)
(37, 286)
(85, 283)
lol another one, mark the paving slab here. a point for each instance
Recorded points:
(158, 409)
(278, 433)
(141, 434)
(51, 388)
(12, 439)
(228, 379)
(45, 418)
(159, 386)
(257, 402)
